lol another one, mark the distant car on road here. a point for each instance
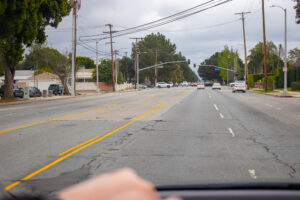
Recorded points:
(184, 84)
(56, 88)
(201, 86)
(34, 92)
(18, 91)
(216, 86)
(194, 84)
(239, 86)
(208, 83)
(231, 84)
(162, 85)
(175, 85)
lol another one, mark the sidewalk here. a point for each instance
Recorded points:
(276, 93)
(40, 99)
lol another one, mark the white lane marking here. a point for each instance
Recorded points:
(216, 107)
(269, 105)
(252, 173)
(278, 108)
(222, 116)
(231, 131)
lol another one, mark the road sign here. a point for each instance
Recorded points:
(217, 69)
(284, 69)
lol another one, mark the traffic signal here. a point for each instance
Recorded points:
(194, 65)
(189, 61)
(236, 73)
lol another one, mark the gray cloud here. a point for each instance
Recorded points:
(192, 35)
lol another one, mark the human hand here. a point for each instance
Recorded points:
(123, 184)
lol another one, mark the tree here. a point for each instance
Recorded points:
(52, 60)
(256, 58)
(166, 52)
(86, 62)
(105, 73)
(127, 68)
(294, 57)
(297, 8)
(24, 22)
(208, 72)
(228, 59)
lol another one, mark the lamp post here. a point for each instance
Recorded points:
(285, 92)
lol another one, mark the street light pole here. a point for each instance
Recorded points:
(97, 73)
(285, 91)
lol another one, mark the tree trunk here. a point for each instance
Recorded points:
(65, 84)
(9, 81)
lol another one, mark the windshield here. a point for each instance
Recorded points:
(183, 92)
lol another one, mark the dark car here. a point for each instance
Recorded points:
(56, 88)
(34, 92)
(17, 90)
(209, 83)
(148, 85)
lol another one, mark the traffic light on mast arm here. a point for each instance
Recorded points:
(194, 65)
(189, 61)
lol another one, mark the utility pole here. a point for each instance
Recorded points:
(136, 64)
(285, 91)
(116, 66)
(245, 47)
(265, 48)
(112, 54)
(97, 70)
(156, 68)
(74, 38)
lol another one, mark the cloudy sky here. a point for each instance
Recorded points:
(197, 37)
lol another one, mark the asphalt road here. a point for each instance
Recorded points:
(169, 136)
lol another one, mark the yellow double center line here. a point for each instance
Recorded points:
(79, 148)
(55, 119)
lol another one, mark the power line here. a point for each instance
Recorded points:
(163, 21)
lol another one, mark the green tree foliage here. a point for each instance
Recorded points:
(207, 72)
(105, 73)
(86, 62)
(166, 52)
(23, 22)
(229, 59)
(51, 60)
(256, 59)
(127, 68)
(294, 57)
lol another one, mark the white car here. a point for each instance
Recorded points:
(216, 86)
(184, 84)
(231, 84)
(162, 85)
(201, 86)
(239, 86)
(169, 85)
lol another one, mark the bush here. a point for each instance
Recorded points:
(293, 76)
(271, 82)
(295, 86)
(251, 81)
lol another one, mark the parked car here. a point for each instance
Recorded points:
(194, 84)
(216, 86)
(34, 92)
(239, 86)
(231, 84)
(184, 84)
(56, 88)
(162, 85)
(147, 85)
(169, 85)
(17, 90)
(201, 86)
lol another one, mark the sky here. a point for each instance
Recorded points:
(197, 36)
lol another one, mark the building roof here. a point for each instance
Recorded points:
(21, 75)
(45, 76)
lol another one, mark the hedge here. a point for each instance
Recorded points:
(271, 82)
(295, 86)
(293, 76)
(251, 80)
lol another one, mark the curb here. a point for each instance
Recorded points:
(278, 96)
